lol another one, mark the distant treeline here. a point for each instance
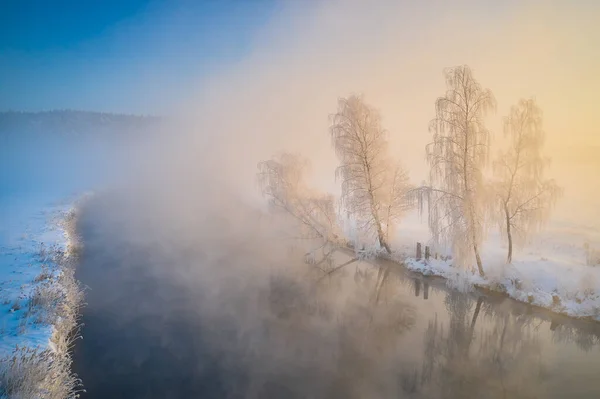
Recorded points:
(73, 122)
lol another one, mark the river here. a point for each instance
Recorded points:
(160, 324)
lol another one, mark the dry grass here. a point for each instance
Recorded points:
(46, 373)
(45, 274)
(33, 373)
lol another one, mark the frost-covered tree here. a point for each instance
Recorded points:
(282, 181)
(373, 190)
(457, 157)
(395, 204)
(524, 195)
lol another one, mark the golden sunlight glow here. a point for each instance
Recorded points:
(285, 89)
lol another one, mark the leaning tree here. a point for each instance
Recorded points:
(282, 182)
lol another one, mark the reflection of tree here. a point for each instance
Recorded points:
(327, 340)
(511, 352)
(585, 340)
(500, 359)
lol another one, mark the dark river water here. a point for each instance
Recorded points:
(160, 324)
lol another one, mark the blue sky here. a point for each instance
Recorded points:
(134, 56)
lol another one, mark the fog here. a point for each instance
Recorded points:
(179, 231)
(204, 296)
(279, 96)
(194, 292)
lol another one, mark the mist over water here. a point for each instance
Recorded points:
(194, 291)
(210, 299)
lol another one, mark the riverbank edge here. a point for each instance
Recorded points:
(493, 289)
(46, 371)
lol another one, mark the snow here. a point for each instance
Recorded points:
(46, 161)
(551, 271)
(29, 233)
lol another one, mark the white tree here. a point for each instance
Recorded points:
(282, 181)
(373, 190)
(457, 157)
(524, 196)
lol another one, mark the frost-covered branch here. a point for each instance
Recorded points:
(281, 180)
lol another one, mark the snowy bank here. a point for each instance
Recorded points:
(552, 271)
(39, 304)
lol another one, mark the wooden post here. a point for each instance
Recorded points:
(419, 254)
(425, 291)
(417, 287)
(427, 253)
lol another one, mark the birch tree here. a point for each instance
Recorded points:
(525, 196)
(282, 181)
(372, 189)
(457, 156)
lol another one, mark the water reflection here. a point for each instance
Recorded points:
(333, 328)
(417, 283)
(586, 339)
(313, 346)
(502, 359)
(374, 346)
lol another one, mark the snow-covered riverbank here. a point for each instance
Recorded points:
(553, 271)
(39, 299)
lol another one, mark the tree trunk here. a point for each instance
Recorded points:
(478, 259)
(509, 235)
(474, 238)
(385, 245)
(374, 213)
(380, 235)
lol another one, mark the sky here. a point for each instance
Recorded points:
(111, 55)
(262, 76)
(148, 56)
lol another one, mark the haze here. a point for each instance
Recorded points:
(185, 267)
(281, 94)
